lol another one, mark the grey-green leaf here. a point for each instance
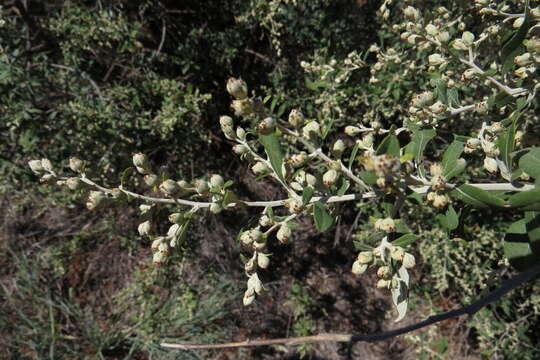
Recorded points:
(273, 150)
(323, 220)
(530, 163)
(389, 145)
(419, 142)
(477, 197)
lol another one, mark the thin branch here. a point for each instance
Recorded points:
(470, 310)
(84, 75)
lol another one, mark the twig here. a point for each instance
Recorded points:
(470, 310)
(84, 75)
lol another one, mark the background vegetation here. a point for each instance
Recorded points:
(103, 79)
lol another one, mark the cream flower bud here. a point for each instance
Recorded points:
(294, 205)
(365, 257)
(173, 230)
(237, 88)
(245, 238)
(490, 149)
(397, 253)
(145, 208)
(330, 177)
(423, 99)
(438, 108)
(490, 164)
(263, 260)
(359, 268)
(76, 165)
(94, 199)
(296, 118)
(216, 181)
(338, 148)
(242, 107)
(249, 297)
(352, 130)
(156, 243)
(298, 160)
(46, 178)
(225, 120)
(73, 183)
(384, 272)
(432, 29)
(265, 221)
(459, 44)
(266, 126)
(140, 160)
(383, 284)
(47, 165)
(168, 187)
(260, 168)
(435, 169)
(436, 59)
(254, 283)
(36, 166)
(386, 225)
(201, 186)
(468, 38)
(440, 200)
(443, 36)
(144, 228)
(284, 234)
(241, 133)
(215, 208)
(518, 22)
(523, 60)
(311, 129)
(411, 13)
(151, 179)
(159, 258)
(240, 149)
(409, 261)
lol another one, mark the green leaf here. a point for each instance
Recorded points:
(533, 231)
(450, 220)
(125, 174)
(530, 163)
(514, 45)
(389, 145)
(405, 240)
(368, 177)
(453, 97)
(452, 153)
(273, 150)
(343, 187)
(307, 194)
(442, 91)
(517, 247)
(525, 198)
(477, 197)
(506, 145)
(419, 142)
(323, 220)
(229, 198)
(353, 155)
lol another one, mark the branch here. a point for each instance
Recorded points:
(470, 310)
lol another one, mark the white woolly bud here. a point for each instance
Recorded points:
(237, 88)
(296, 118)
(263, 261)
(144, 228)
(359, 268)
(76, 165)
(409, 261)
(436, 59)
(284, 233)
(311, 129)
(36, 166)
(490, 164)
(254, 283)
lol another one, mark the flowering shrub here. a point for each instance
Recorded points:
(459, 140)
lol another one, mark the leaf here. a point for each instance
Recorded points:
(453, 97)
(501, 99)
(419, 142)
(353, 155)
(450, 156)
(125, 174)
(512, 47)
(451, 219)
(525, 198)
(533, 232)
(400, 294)
(343, 187)
(229, 198)
(323, 220)
(530, 163)
(442, 91)
(273, 150)
(517, 247)
(368, 177)
(307, 194)
(506, 145)
(477, 197)
(389, 145)
(405, 240)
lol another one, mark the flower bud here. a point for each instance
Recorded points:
(76, 165)
(411, 13)
(242, 107)
(408, 261)
(176, 218)
(265, 221)
(298, 160)
(467, 38)
(384, 272)
(151, 179)
(159, 258)
(263, 260)
(144, 208)
(266, 126)
(173, 230)
(260, 168)
(46, 164)
(490, 164)
(168, 187)
(144, 228)
(459, 44)
(359, 268)
(249, 297)
(352, 130)
(241, 133)
(397, 253)
(36, 166)
(216, 181)
(284, 233)
(438, 108)
(228, 131)
(226, 121)
(201, 186)
(311, 129)
(140, 160)
(523, 60)
(237, 88)
(330, 177)
(435, 169)
(338, 148)
(386, 225)
(365, 257)
(440, 200)
(294, 205)
(296, 118)
(215, 208)
(383, 284)
(155, 244)
(423, 99)
(443, 36)
(240, 149)
(73, 183)
(94, 199)
(436, 59)
(254, 283)
(431, 29)
(46, 178)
